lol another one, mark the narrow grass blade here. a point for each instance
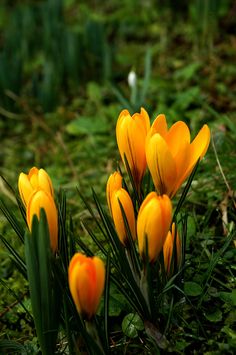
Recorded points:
(17, 298)
(147, 76)
(16, 257)
(17, 227)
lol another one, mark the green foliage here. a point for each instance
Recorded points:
(44, 294)
(131, 324)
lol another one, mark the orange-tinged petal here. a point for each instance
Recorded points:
(41, 199)
(86, 288)
(114, 183)
(159, 125)
(78, 258)
(73, 275)
(168, 251)
(161, 164)
(100, 279)
(145, 119)
(168, 248)
(122, 197)
(153, 223)
(33, 171)
(86, 277)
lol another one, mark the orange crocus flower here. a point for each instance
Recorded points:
(86, 281)
(168, 247)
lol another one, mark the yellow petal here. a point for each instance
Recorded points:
(122, 197)
(153, 223)
(161, 164)
(177, 137)
(25, 188)
(41, 199)
(36, 179)
(196, 150)
(44, 181)
(201, 143)
(131, 133)
(145, 119)
(114, 183)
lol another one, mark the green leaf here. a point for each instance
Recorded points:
(87, 126)
(215, 316)
(44, 295)
(228, 297)
(181, 345)
(131, 324)
(192, 289)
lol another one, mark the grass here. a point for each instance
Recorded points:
(60, 99)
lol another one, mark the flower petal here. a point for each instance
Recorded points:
(177, 137)
(161, 164)
(159, 125)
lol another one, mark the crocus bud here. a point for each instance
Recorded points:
(41, 199)
(132, 78)
(36, 179)
(86, 282)
(131, 133)
(122, 198)
(114, 183)
(168, 248)
(153, 223)
(170, 155)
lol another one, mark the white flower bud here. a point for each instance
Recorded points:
(132, 78)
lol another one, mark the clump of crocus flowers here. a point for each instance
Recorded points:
(170, 156)
(144, 219)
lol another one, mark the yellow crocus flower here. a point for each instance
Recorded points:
(35, 179)
(171, 156)
(153, 223)
(131, 132)
(41, 199)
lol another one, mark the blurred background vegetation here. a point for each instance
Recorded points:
(63, 82)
